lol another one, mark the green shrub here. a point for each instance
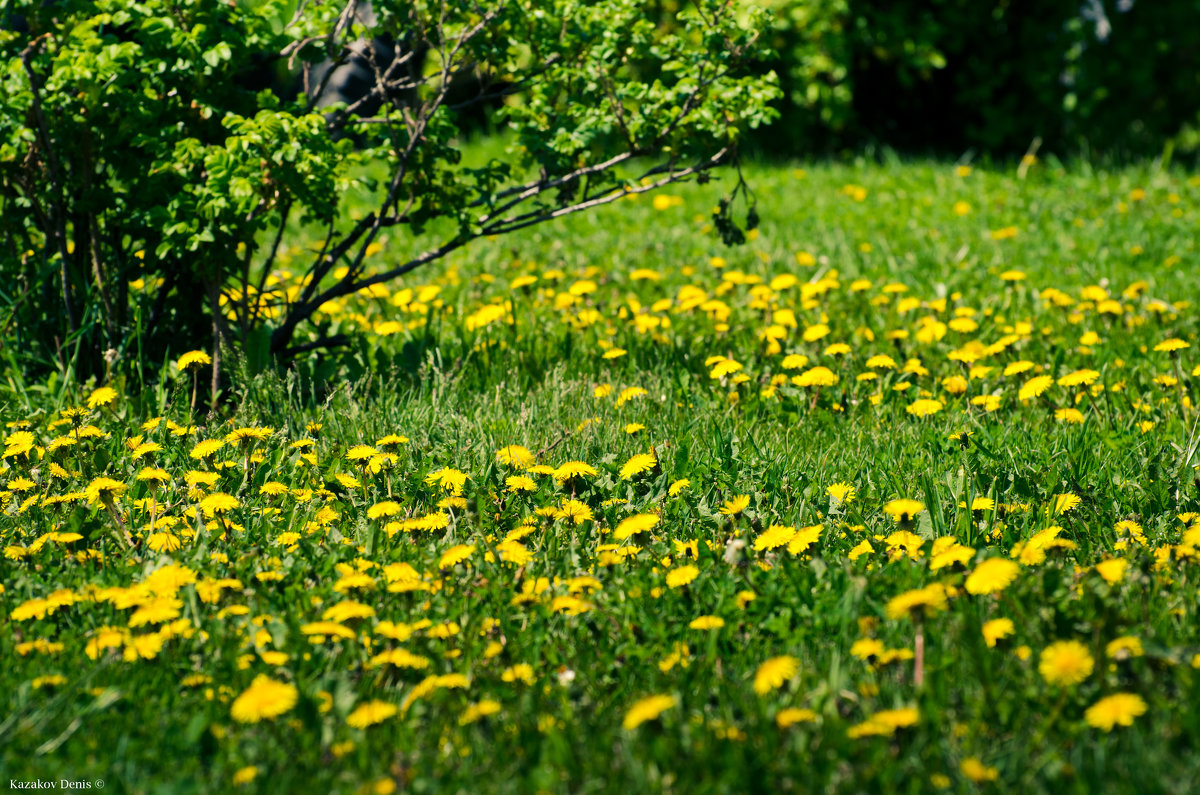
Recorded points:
(956, 74)
(144, 186)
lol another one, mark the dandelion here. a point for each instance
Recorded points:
(265, 698)
(804, 538)
(106, 491)
(371, 713)
(816, 377)
(679, 577)
(773, 537)
(218, 503)
(246, 437)
(1118, 709)
(643, 462)
(885, 723)
(841, 493)
(193, 360)
(707, 622)
(638, 523)
(1065, 663)
(515, 455)
(1034, 387)
(1079, 378)
(792, 716)
(245, 775)
(997, 629)
(455, 555)
(903, 510)
(1064, 503)
(924, 407)
(1172, 346)
(479, 710)
(774, 672)
(361, 452)
(572, 470)
(1113, 571)
(449, 480)
(992, 576)
(20, 443)
(647, 709)
(735, 505)
(977, 771)
(384, 509)
(917, 602)
(206, 448)
(104, 396)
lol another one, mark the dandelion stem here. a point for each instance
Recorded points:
(919, 652)
(112, 511)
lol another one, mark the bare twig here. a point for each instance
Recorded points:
(498, 226)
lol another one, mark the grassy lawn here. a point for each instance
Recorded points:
(899, 496)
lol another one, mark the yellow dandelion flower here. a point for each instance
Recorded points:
(1065, 662)
(903, 510)
(1064, 503)
(647, 709)
(1034, 387)
(574, 469)
(772, 674)
(264, 698)
(206, 448)
(924, 407)
(681, 576)
(478, 710)
(707, 622)
(455, 555)
(977, 771)
(791, 716)
(371, 713)
(103, 396)
(632, 525)
(1171, 345)
(643, 462)
(1078, 378)
(515, 455)
(992, 576)
(997, 629)
(1118, 709)
(104, 490)
(361, 452)
(773, 537)
(842, 493)
(1113, 571)
(193, 359)
(218, 503)
(917, 602)
(734, 505)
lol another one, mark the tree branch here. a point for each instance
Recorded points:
(348, 285)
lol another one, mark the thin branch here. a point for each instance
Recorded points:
(336, 341)
(266, 267)
(504, 226)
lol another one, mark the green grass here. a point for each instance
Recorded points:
(460, 391)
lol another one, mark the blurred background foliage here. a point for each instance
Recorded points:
(1088, 77)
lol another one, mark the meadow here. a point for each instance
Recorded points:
(901, 495)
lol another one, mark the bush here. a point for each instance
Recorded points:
(146, 180)
(956, 74)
